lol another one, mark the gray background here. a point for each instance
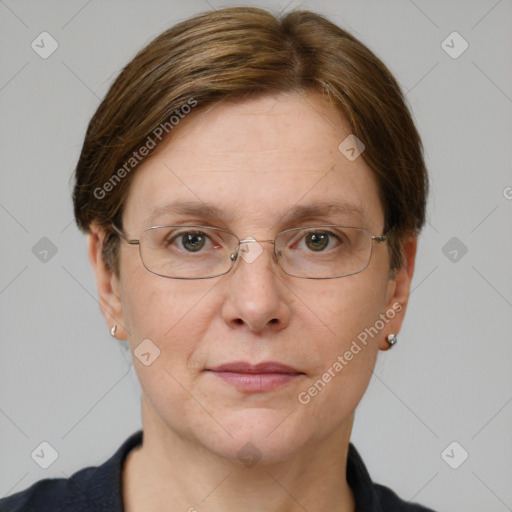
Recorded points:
(65, 381)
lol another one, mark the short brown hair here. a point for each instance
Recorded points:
(237, 52)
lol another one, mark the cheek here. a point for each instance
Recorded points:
(346, 307)
(173, 314)
(151, 304)
(347, 350)
(173, 317)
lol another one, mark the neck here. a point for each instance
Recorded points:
(169, 473)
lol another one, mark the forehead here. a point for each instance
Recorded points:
(253, 161)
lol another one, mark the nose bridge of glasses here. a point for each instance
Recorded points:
(251, 239)
(249, 254)
(246, 241)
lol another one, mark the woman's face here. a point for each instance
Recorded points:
(255, 162)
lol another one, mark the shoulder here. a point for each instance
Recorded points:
(91, 489)
(50, 494)
(391, 502)
(370, 496)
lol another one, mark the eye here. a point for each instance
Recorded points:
(189, 241)
(318, 241)
(193, 242)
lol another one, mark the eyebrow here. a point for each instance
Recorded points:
(322, 209)
(296, 214)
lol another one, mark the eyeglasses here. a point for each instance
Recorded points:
(201, 252)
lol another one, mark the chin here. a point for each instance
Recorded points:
(258, 435)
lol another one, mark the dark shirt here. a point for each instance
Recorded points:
(98, 489)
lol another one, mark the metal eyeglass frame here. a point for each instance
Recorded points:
(234, 256)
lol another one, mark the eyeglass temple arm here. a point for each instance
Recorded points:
(385, 236)
(123, 236)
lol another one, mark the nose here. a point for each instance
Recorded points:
(256, 298)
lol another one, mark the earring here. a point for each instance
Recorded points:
(113, 331)
(392, 339)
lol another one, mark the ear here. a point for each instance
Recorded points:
(398, 290)
(107, 283)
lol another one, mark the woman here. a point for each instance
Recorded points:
(252, 189)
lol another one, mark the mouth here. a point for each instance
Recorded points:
(255, 378)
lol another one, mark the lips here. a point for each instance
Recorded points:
(267, 367)
(255, 378)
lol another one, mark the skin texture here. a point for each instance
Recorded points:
(255, 160)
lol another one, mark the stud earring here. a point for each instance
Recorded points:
(113, 331)
(392, 339)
